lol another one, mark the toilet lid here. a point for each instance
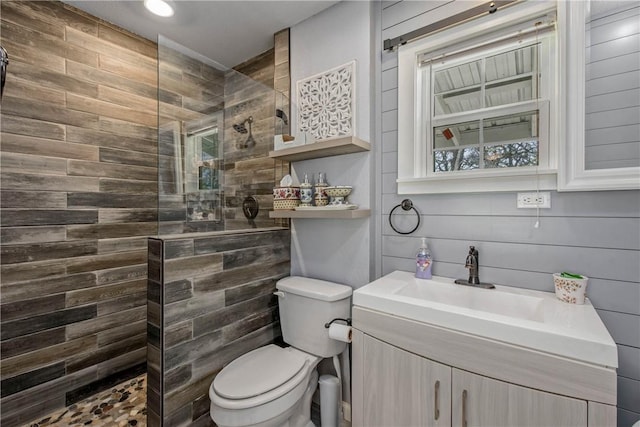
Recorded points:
(258, 372)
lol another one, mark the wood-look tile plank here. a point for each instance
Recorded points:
(105, 78)
(14, 254)
(31, 307)
(249, 324)
(17, 162)
(178, 333)
(31, 217)
(38, 146)
(33, 199)
(29, 127)
(16, 235)
(180, 268)
(110, 200)
(148, 189)
(128, 40)
(111, 50)
(22, 403)
(28, 361)
(17, 181)
(21, 88)
(30, 379)
(27, 288)
(106, 246)
(106, 216)
(238, 276)
(103, 293)
(24, 16)
(50, 44)
(111, 170)
(127, 302)
(110, 231)
(127, 99)
(32, 342)
(51, 79)
(143, 72)
(105, 353)
(103, 323)
(123, 128)
(110, 155)
(232, 314)
(107, 109)
(111, 140)
(41, 322)
(264, 255)
(109, 260)
(116, 334)
(55, 15)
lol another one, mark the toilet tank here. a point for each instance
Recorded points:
(306, 305)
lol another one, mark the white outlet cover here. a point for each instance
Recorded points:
(534, 200)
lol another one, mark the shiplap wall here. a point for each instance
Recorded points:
(594, 233)
(613, 88)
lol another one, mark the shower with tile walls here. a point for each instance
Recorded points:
(212, 268)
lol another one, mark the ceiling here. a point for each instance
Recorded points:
(228, 32)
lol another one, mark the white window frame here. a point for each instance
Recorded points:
(573, 176)
(414, 139)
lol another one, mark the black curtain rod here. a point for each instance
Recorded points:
(486, 8)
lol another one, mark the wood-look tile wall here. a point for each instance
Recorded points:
(250, 171)
(210, 300)
(78, 193)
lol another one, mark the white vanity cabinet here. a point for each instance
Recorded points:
(500, 357)
(481, 401)
(405, 371)
(402, 389)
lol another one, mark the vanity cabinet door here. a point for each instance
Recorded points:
(402, 389)
(480, 401)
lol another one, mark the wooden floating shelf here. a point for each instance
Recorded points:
(331, 147)
(321, 214)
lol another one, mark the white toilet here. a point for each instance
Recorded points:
(273, 386)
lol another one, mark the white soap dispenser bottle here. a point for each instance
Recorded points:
(423, 261)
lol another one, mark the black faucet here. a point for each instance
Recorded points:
(472, 263)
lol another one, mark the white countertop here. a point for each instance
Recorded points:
(532, 319)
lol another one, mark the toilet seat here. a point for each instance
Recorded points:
(236, 380)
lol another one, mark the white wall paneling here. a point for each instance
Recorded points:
(594, 233)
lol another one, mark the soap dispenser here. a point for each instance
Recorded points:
(423, 261)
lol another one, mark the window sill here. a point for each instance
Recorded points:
(479, 182)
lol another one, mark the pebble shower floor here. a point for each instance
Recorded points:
(122, 405)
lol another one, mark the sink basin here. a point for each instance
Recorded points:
(487, 300)
(532, 319)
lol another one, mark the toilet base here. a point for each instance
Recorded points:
(297, 416)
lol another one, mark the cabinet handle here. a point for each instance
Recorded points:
(437, 401)
(464, 408)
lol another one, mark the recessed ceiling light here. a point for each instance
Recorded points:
(159, 7)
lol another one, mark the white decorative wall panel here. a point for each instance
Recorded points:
(326, 107)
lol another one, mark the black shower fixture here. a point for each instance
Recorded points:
(242, 128)
(4, 61)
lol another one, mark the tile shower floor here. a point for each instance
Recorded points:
(122, 405)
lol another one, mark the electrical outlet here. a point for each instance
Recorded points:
(534, 200)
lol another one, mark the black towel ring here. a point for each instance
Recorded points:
(406, 205)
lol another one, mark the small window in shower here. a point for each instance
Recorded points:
(203, 175)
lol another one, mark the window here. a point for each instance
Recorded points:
(477, 105)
